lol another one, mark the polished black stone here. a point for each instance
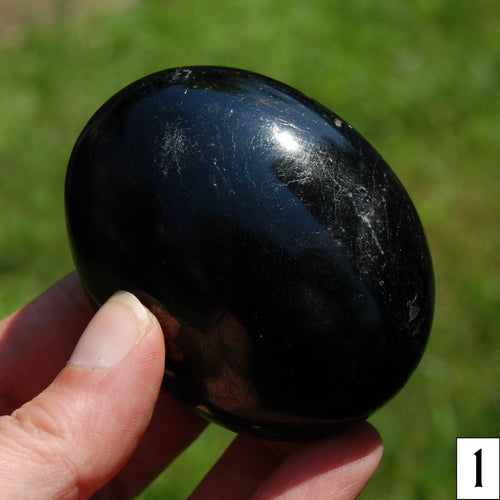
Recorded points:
(284, 259)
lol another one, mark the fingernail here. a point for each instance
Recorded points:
(118, 325)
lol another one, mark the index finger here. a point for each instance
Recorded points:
(37, 340)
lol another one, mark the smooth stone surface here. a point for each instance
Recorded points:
(284, 259)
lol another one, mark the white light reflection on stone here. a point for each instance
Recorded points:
(286, 139)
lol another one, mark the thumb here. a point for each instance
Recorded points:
(77, 434)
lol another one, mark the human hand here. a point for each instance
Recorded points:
(99, 425)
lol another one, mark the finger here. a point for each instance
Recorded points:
(172, 428)
(38, 339)
(78, 433)
(337, 467)
(246, 463)
(41, 336)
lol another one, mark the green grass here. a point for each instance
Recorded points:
(419, 79)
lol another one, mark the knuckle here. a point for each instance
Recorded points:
(48, 444)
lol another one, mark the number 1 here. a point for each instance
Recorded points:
(479, 459)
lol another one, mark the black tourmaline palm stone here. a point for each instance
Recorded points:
(282, 256)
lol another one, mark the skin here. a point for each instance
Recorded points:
(90, 421)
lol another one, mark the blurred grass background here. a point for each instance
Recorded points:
(420, 80)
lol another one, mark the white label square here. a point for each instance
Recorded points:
(478, 468)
